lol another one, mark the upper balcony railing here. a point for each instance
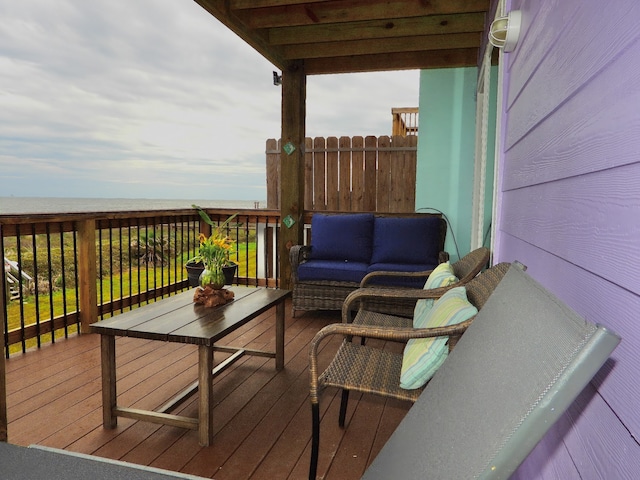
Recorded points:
(65, 271)
(405, 121)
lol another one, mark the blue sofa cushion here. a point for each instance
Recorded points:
(416, 282)
(332, 270)
(342, 237)
(406, 240)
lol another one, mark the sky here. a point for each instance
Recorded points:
(155, 99)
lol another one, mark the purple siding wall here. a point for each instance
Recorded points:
(569, 208)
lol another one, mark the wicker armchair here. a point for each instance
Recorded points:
(385, 300)
(372, 370)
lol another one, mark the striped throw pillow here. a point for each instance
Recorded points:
(423, 356)
(442, 276)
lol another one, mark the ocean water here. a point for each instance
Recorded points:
(31, 205)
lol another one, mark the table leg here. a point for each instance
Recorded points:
(280, 335)
(205, 395)
(108, 364)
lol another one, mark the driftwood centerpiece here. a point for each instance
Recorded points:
(210, 297)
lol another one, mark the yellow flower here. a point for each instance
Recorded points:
(216, 249)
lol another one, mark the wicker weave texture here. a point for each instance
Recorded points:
(321, 295)
(368, 370)
(367, 317)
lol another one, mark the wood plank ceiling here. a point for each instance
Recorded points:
(341, 36)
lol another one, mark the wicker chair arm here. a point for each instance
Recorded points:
(380, 273)
(390, 333)
(297, 255)
(369, 331)
(355, 297)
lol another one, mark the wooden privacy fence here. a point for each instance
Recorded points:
(359, 174)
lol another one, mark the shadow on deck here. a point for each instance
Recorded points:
(262, 417)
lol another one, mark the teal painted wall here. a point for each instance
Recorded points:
(446, 150)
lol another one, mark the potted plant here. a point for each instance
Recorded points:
(213, 259)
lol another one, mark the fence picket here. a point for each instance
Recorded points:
(319, 176)
(370, 173)
(332, 174)
(308, 174)
(384, 175)
(344, 195)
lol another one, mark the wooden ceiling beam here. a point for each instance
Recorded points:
(353, 11)
(404, 27)
(388, 45)
(393, 61)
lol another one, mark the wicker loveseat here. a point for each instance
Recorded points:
(346, 247)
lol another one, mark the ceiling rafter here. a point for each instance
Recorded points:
(377, 46)
(399, 27)
(353, 11)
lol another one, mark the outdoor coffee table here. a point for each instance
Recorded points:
(178, 319)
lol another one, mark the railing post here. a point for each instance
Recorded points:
(87, 274)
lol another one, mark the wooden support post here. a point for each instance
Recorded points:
(87, 274)
(294, 92)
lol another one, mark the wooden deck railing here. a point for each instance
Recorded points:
(84, 267)
(405, 121)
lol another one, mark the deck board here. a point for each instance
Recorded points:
(262, 419)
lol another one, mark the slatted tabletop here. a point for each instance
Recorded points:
(178, 319)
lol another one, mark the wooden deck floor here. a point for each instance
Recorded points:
(262, 417)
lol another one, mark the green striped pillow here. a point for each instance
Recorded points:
(423, 356)
(441, 276)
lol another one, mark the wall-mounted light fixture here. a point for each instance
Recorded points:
(505, 31)
(277, 79)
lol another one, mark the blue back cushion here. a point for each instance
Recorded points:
(406, 240)
(342, 237)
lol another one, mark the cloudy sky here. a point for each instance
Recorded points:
(155, 99)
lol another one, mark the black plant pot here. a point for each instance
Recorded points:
(229, 273)
(195, 269)
(193, 272)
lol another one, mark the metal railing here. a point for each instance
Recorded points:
(63, 272)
